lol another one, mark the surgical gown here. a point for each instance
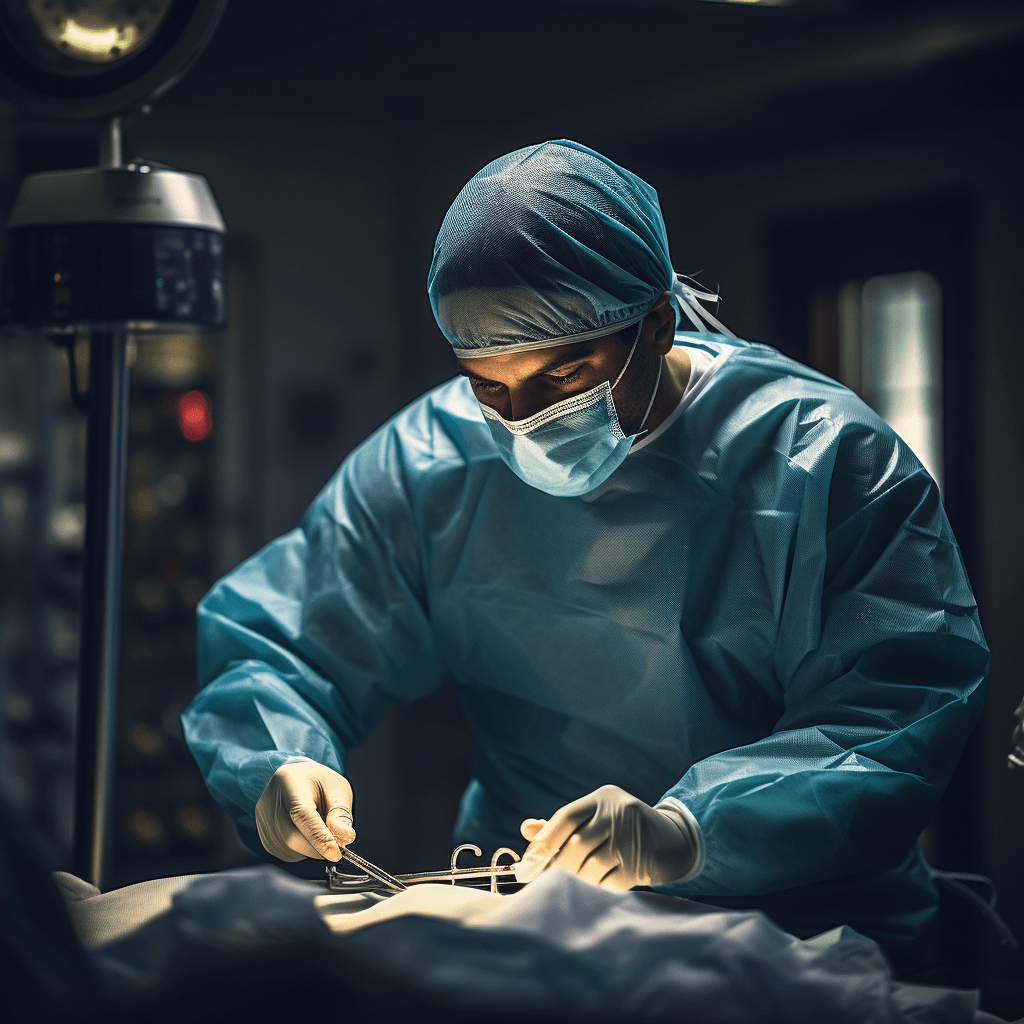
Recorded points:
(762, 613)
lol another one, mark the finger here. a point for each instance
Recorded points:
(570, 856)
(308, 821)
(562, 824)
(339, 822)
(552, 837)
(296, 843)
(272, 841)
(335, 804)
(531, 826)
(580, 846)
(617, 880)
(598, 864)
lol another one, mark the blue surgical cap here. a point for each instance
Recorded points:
(551, 245)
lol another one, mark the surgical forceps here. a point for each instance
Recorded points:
(379, 875)
(378, 881)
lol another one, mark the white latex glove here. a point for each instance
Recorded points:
(305, 811)
(614, 840)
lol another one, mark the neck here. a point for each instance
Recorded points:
(674, 378)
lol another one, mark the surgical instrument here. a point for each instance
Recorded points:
(379, 875)
(479, 876)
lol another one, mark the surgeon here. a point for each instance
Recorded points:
(710, 627)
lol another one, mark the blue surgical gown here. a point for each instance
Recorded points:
(762, 613)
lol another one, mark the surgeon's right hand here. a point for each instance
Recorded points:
(305, 811)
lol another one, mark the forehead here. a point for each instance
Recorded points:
(525, 364)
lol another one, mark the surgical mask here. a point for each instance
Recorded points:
(570, 447)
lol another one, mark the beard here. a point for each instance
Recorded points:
(633, 395)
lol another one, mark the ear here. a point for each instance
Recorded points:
(659, 328)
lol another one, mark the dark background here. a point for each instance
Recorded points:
(792, 148)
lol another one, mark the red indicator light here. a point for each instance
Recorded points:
(194, 417)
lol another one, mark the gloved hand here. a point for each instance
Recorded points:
(614, 840)
(305, 811)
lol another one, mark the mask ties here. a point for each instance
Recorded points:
(654, 395)
(657, 382)
(687, 298)
(630, 356)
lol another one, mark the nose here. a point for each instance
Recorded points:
(523, 402)
(529, 398)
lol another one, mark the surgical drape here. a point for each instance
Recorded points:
(762, 613)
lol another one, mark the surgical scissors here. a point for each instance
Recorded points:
(376, 880)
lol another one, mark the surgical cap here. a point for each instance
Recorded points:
(547, 246)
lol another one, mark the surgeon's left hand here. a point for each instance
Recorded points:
(613, 840)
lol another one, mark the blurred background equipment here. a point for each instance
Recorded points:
(90, 255)
(1016, 757)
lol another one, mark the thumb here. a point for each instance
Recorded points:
(338, 817)
(531, 827)
(339, 821)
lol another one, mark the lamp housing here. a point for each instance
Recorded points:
(139, 246)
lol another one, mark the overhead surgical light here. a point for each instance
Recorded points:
(96, 32)
(101, 251)
(89, 59)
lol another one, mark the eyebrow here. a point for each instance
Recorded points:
(575, 354)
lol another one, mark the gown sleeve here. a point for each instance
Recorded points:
(882, 666)
(305, 646)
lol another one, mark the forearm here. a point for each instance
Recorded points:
(244, 725)
(799, 807)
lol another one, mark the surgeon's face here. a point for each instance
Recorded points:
(520, 384)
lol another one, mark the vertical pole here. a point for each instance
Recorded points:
(110, 144)
(106, 454)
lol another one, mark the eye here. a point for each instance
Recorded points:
(487, 386)
(566, 378)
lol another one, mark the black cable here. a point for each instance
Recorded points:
(79, 398)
